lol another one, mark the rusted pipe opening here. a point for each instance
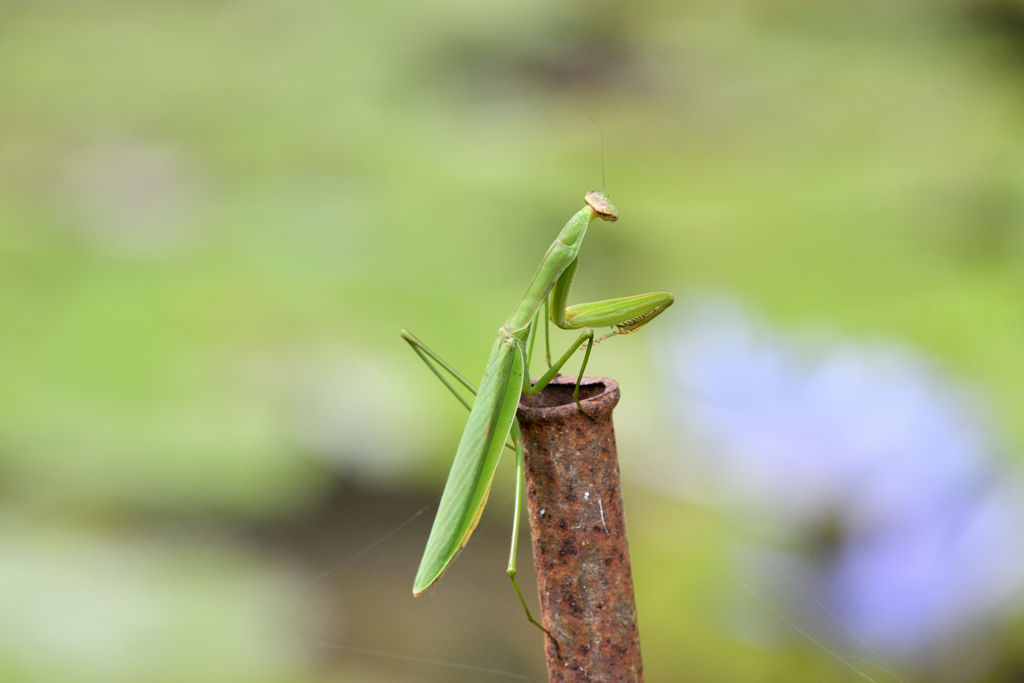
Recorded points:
(559, 393)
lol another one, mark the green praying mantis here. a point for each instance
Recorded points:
(492, 415)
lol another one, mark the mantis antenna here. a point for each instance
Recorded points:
(604, 188)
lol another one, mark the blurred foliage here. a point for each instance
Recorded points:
(215, 216)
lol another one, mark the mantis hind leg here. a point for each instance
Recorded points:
(511, 571)
(428, 355)
(424, 352)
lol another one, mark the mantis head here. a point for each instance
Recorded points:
(601, 206)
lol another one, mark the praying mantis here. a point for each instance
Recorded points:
(492, 415)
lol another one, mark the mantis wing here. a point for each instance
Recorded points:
(469, 481)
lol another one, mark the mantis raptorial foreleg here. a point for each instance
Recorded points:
(547, 330)
(492, 415)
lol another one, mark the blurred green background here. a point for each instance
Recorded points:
(218, 459)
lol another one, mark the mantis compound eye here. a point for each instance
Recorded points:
(601, 206)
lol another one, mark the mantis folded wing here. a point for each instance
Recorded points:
(492, 416)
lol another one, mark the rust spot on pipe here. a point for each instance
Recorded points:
(578, 528)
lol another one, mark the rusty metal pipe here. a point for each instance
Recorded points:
(578, 528)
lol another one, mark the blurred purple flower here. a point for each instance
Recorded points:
(869, 447)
